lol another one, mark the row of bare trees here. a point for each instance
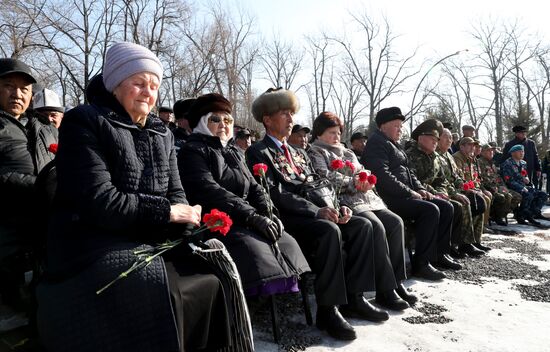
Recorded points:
(502, 80)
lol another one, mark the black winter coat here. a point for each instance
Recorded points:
(285, 186)
(116, 183)
(390, 164)
(217, 177)
(23, 153)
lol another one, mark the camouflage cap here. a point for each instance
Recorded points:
(467, 140)
(430, 127)
(487, 147)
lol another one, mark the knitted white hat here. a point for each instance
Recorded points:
(126, 59)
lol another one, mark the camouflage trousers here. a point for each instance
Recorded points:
(503, 203)
(471, 227)
(488, 201)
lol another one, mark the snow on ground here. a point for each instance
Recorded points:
(458, 314)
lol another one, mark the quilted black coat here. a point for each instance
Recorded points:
(116, 182)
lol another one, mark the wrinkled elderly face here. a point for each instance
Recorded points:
(15, 94)
(488, 154)
(445, 140)
(359, 144)
(392, 129)
(138, 94)
(299, 139)
(428, 143)
(279, 124)
(220, 124)
(331, 135)
(467, 149)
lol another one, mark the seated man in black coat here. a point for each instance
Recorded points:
(405, 196)
(27, 143)
(340, 246)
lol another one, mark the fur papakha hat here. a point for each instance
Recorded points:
(272, 101)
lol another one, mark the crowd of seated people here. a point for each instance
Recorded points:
(300, 201)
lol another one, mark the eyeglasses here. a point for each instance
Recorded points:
(228, 120)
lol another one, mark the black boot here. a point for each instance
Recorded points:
(501, 222)
(359, 307)
(428, 272)
(391, 300)
(471, 250)
(446, 262)
(482, 247)
(456, 253)
(404, 293)
(330, 319)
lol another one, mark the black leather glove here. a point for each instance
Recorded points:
(263, 226)
(280, 226)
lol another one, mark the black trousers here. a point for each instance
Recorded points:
(341, 256)
(432, 226)
(386, 223)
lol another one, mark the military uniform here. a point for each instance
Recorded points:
(470, 172)
(532, 198)
(478, 201)
(429, 172)
(504, 199)
(472, 226)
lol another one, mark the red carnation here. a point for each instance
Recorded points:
(476, 175)
(337, 164)
(472, 184)
(466, 186)
(53, 148)
(217, 221)
(350, 166)
(506, 178)
(363, 176)
(259, 169)
(372, 179)
(523, 172)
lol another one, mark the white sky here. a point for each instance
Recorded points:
(437, 28)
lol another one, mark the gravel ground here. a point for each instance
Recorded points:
(297, 336)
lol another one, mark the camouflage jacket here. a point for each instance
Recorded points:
(428, 170)
(467, 168)
(451, 172)
(490, 178)
(512, 173)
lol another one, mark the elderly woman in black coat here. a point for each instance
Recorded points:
(118, 190)
(214, 175)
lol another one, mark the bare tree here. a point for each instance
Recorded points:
(322, 74)
(376, 65)
(281, 62)
(495, 44)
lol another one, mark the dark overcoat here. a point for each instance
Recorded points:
(217, 177)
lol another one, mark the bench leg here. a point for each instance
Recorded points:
(274, 318)
(305, 301)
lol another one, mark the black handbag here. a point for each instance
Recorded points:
(318, 190)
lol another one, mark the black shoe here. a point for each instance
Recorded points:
(391, 300)
(471, 250)
(501, 222)
(540, 216)
(428, 272)
(482, 247)
(330, 319)
(456, 253)
(446, 262)
(359, 307)
(405, 295)
(534, 222)
(521, 221)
